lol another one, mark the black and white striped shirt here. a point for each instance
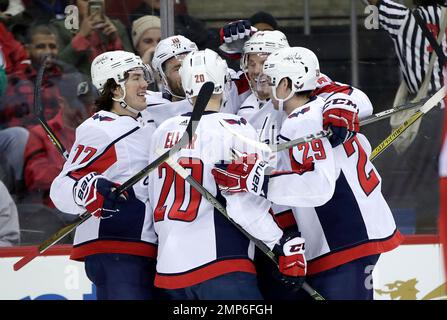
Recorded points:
(412, 48)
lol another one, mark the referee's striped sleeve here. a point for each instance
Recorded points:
(392, 16)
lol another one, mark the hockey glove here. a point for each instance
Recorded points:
(292, 263)
(342, 119)
(233, 36)
(245, 174)
(95, 193)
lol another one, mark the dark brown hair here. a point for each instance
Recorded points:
(104, 101)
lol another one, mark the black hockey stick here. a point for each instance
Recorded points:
(38, 110)
(202, 100)
(388, 113)
(424, 104)
(216, 204)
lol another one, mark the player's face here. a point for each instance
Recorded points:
(254, 69)
(136, 86)
(172, 76)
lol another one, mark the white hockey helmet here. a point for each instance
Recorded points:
(168, 48)
(114, 65)
(263, 42)
(202, 66)
(298, 64)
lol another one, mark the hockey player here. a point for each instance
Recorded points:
(258, 110)
(201, 255)
(168, 57)
(118, 244)
(255, 47)
(340, 209)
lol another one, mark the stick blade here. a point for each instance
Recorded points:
(26, 259)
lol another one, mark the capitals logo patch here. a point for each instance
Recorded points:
(302, 111)
(102, 118)
(233, 121)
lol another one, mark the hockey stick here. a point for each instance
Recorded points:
(216, 204)
(388, 113)
(274, 147)
(38, 110)
(39, 113)
(202, 100)
(428, 105)
(432, 101)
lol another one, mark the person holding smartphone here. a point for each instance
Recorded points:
(97, 33)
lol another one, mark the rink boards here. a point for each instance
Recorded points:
(412, 271)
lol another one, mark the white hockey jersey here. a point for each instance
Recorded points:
(327, 87)
(117, 147)
(160, 112)
(267, 121)
(196, 243)
(161, 108)
(315, 186)
(340, 209)
(263, 117)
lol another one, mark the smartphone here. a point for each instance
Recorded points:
(96, 7)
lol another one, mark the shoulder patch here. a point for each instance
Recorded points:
(242, 121)
(102, 118)
(296, 114)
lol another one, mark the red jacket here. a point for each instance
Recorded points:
(15, 54)
(16, 106)
(43, 162)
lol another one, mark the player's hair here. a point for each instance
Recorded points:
(44, 29)
(104, 101)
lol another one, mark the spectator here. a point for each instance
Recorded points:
(152, 7)
(9, 219)
(147, 7)
(13, 51)
(16, 107)
(77, 97)
(185, 25)
(41, 12)
(263, 21)
(12, 145)
(146, 34)
(97, 34)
